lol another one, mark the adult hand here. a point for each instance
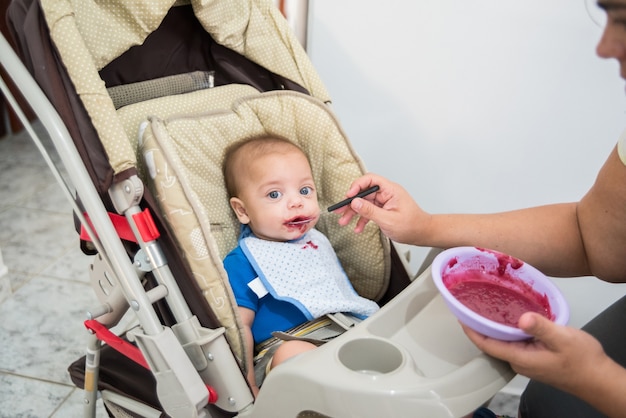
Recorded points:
(563, 357)
(391, 208)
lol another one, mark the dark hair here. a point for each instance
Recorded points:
(254, 147)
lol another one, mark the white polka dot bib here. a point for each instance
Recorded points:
(307, 273)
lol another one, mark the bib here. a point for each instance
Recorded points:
(306, 272)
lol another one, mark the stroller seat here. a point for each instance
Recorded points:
(400, 359)
(409, 359)
(183, 156)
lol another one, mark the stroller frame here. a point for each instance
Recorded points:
(161, 348)
(193, 365)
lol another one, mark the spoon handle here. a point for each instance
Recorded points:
(350, 199)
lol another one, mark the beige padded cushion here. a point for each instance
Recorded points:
(198, 102)
(184, 156)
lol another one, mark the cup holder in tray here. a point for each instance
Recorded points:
(370, 356)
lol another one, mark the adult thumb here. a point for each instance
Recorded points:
(536, 325)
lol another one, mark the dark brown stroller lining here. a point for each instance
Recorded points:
(180, 45)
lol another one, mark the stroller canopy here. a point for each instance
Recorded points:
(89, 35)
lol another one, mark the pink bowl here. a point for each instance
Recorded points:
(510, 273)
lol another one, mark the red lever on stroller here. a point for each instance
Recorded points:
(128, 349)
(143, 220)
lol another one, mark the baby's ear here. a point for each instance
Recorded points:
(240, 210)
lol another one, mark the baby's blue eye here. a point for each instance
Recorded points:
(274, 194)
(306, 191)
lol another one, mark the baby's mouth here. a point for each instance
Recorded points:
(299, 220)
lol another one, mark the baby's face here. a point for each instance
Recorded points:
(278, 199)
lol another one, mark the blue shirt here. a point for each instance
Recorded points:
(270, 314)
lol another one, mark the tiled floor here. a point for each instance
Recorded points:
(41, 317)
(42, 311)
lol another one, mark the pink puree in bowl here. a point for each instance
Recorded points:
(496, 294)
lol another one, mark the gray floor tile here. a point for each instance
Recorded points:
(49, 198)
(6, 290)
(31, 240)
(41, 231)
(21, 397)
(74, 407)
(43, 321)
(15, 279)
(73, 264)
(504, 404)
(22, 179)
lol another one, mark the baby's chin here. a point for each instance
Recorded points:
(290, 235)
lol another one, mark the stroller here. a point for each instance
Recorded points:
(140, 99)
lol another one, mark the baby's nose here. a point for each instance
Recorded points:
(295, 201)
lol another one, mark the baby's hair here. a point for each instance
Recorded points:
(254, 147)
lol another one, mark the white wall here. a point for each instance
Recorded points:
(475, 106)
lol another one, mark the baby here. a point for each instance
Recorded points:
(283, 272)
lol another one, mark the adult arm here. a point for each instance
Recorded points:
(568, 239)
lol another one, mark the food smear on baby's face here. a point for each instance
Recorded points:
(496, 294)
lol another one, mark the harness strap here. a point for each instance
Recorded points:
(317, 331)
